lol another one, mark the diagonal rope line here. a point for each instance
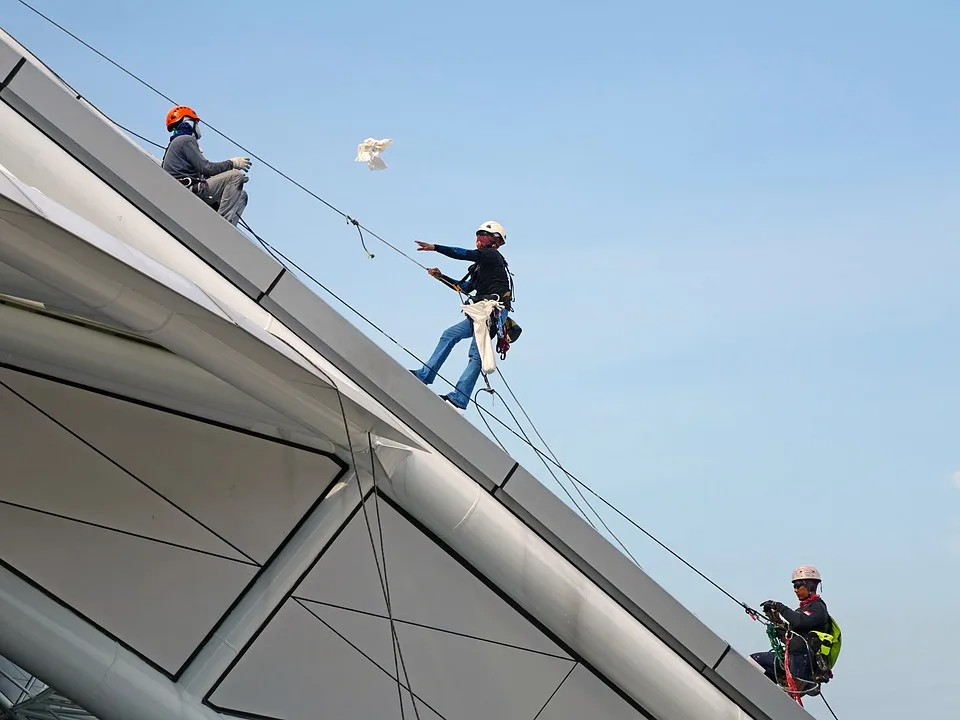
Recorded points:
(127, 472)
(828, 706)
(128, 533)
(394, 639)
(372, 661)
(435, 628)
(563, 487)
(366, 517)
(555, 691)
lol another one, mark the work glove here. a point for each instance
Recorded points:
(241, 163)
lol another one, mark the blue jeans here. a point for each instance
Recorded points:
(468, 380)
(799, 666)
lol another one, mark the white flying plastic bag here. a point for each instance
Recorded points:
(369, 152)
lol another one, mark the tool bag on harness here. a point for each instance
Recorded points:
(507, 331)
(825, 649)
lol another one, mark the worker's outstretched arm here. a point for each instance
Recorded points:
(458, 253)
(801, 621)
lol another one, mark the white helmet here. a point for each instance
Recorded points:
(492, 226)
(806, 572)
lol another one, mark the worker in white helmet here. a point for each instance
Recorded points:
(489, 279)
(810, 626)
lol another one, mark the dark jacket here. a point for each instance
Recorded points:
(808, 617)
(183, 159)
(488, 276)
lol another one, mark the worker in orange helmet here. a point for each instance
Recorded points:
(219, 184)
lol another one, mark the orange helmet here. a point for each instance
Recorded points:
(179, 113)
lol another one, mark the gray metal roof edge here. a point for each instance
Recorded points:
(97, 146)
(74, 127)
(545, 532)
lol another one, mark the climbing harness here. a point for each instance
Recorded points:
(823, 649)
(196, 185)
(507, 331)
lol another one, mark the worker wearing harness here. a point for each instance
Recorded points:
(489, 278)
(219, 184)
(811, 627)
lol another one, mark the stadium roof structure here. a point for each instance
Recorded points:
(220, 499)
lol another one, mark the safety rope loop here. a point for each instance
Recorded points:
(357, 225)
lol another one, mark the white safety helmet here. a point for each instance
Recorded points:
(492, 226)
(806, 572)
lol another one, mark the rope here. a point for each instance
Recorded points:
(494, 393)
(395, 639)
(567, 492)
(138, 135)
(828, 706)
(791, 684)
(557, 461)
(384, 585)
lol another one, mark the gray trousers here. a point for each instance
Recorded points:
(226, 190)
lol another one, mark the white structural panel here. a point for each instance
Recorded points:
(428, 585)
(583, 696)
(247, 490)
(300, 669)
(149, 524)
(468, 652)
(138, 371)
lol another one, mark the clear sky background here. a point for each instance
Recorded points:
(734, 233)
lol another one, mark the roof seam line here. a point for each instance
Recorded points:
(12, 74)
(127, 472)
(128, 533)
(435, 628)
(509, 475)
(722, 656)
(272, 285)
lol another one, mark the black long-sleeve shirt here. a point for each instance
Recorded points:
(805, 619)
(488, 276)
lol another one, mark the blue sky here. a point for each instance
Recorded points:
(733, 229)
